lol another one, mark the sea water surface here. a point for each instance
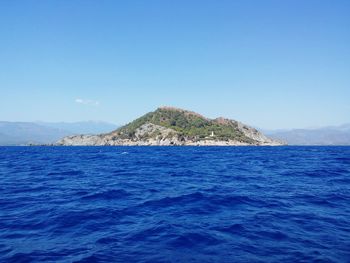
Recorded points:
(175, 204)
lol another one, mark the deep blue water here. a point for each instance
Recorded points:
(175, 204)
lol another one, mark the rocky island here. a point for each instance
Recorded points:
(172, 126)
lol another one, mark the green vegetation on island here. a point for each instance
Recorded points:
(187, 125)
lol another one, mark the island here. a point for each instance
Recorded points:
(170, 126)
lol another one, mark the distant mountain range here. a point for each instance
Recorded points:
(24, 133)
(332, 135)
(82, 127)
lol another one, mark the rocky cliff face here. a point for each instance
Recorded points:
(172, 126)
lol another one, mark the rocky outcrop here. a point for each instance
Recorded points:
(171, 126)
(82, 140)
(256, 135)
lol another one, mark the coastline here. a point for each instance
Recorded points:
(95, 140)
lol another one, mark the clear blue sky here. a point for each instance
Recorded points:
(271, 64)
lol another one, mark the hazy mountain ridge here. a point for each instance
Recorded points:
(331, 135)
(82, 127)
(173, 126)
(24, 133)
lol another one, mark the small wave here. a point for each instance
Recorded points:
(107, 195)
(178, 200)
(155, 233)
(72, 172)
(274, 235)
(108, 240)
(194, 239)
(232, 229)
(234, 200)
(73, 219)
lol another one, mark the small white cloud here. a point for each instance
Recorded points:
(87, 102)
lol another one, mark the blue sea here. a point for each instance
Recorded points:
(175, 204)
